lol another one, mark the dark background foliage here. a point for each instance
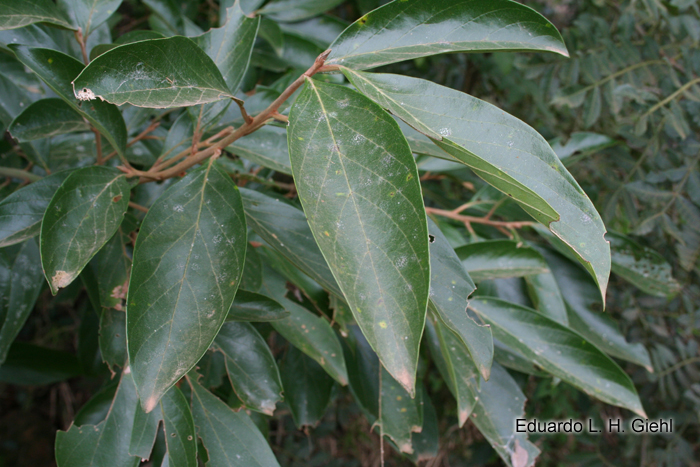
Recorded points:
(633, 77)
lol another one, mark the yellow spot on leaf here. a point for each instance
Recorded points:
(382, 324)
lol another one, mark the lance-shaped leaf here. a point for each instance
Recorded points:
(82, 216)
(253, 270)
(112, 265)
(180, 435)
(46, 118)
(502, 150)
(57, 70)
(307, 388)
(584, 312)
(559, 351)
(113, 337)
(21, 212)
(497, 259)
(20, 284)
(450, 288)
(251, 306)
(426, 444)
(266, 147)
(284, 227)
(495, 404)
(18, 14)
(230, 438)
(408, 29)
(106, 443)
(89, 14)
(358, 184)
(297, 10)
(188, 261)
(251, 367)
(144, 432)
(313, 335)
(643, 267)
(151, 74)
(583, 142)
(230, 46)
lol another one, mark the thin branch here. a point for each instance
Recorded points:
(19, 173)
(478, 220)
(241, 105)
(678, 366)
(98, 146)
(678, 92)
(138, 207)
(241, 131)
(81, 40)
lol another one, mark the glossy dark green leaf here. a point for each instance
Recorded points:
(89, 14)
(253, 270)
(180, 435)
(307, 388)
(251, 306)
(559, 351)
(496, 259)
(271, 33)
(230, 46)
(13, 100)
(509, 358)
(128, 38)
(179, 137)
(297, 53)
(643, 267)
(585, 312)
(46, 118)
(57, 70)
(297, 10)
(358, 184)
(188, 262)
(363, 371)
(266, 147)
(112, 265)
(29, 364)
(149, 74)
(409, 29)
(106, 443)
(82, 216)
(313, 335)
(21, 212)
(113, 337)
(230, 438)
(426, 444)
(18, 14)
(251, 367)
(583, 142)
(546, 297)
(144, 432)
(169, 15)
(284, 227)
(450, 288)
(505, 152)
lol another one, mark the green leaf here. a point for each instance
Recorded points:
(449, 293)
(179, 137)
(426, 444)
(150, 74)
(584, 312)
(307, 388)
(313, 335)
(46, 118)
(559, 351)
(144, 432)
(28, 364)
(21, 212)
(113, 337)
(251, 367)
(583, 142)
(495, 259)
(106, 443)
(505, 152)
(284, 227)
(592, 108)
(57, 70)
(358, 183)
(321, 30)
(230, 438)
(82, 216)
(89, 14)
(253, 270)
(251, 306)
(112, 265)
(18, 14)
(231, 45)
(188, 262)
(24, 282)
(546, 297)
(180, 435)
(409, 29)
(267, 147)
(272, 34)
(297, 10)
(642, 267)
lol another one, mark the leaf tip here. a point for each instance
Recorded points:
(150, 403)
(60, 280)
